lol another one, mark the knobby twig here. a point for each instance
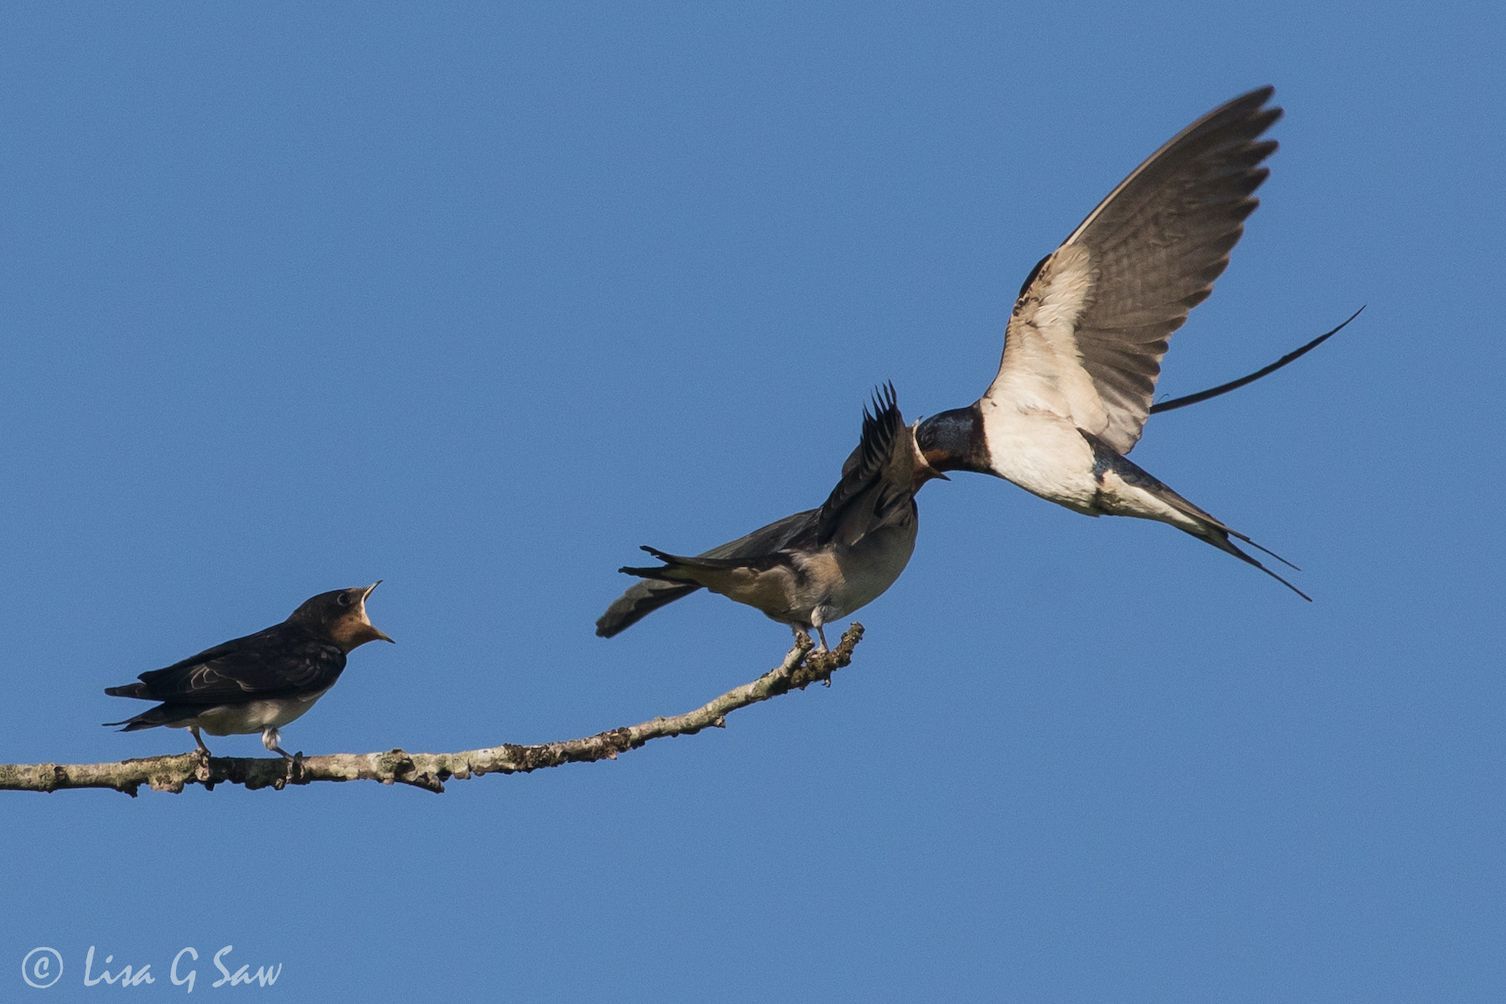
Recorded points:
(800, 668)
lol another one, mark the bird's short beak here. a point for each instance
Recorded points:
(926, 473)
(377, 632)
(924, 470)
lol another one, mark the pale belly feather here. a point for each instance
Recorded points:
(255, 716)
(1041, 452)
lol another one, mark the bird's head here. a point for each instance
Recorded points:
(953, 441)
(340, 616)
(924, 469)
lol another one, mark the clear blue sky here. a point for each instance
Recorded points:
(476, 302)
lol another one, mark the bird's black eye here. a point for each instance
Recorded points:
(343, 599)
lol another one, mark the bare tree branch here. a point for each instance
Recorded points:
(800, 668)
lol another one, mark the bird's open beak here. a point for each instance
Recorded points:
(376, 632)
(924, 469)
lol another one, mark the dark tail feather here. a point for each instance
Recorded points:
(664, 556)
(1216, 533)
(133, 725)
(682, 565)
(643, 573)
(162, 714)
(1263, 549)
(128, 690)
(638, 602)
(696, 562)
(1219, 538)
(663, 572)
(1208, 527)
(1249, 378)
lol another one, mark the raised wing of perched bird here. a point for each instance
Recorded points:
(261, 682)
(1083, 347)
(814, 566)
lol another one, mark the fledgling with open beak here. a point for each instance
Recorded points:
(261, 682)
(1083, 347)
(812, 567)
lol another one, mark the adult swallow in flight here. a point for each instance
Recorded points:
(261, 682)
(1083, 347)
(816, 566)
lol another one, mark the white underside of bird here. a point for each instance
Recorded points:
(1047, 455)
(265, 716)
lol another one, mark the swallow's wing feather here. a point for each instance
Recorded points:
(1093, 320)
(877, 478)
(766, 539)
(270, 663)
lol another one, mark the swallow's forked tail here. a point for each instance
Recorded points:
(162, 714)
(1150, 498)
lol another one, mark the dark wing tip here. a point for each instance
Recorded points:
(886, 401)
(1264, 148)
(1251, 100)
(883, 423)
(880, 427)
(1266, 118)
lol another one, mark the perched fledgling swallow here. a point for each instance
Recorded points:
(261, 682)
(1083, 347)
(812, 567)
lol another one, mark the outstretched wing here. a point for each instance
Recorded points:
(267, 664)
(1093, 319)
